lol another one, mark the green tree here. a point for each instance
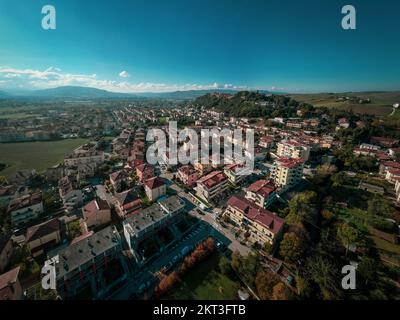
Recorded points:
(348, 235)
(291, 247)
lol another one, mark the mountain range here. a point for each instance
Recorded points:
(76, 92)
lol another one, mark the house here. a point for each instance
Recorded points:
(25, 208)
(385, 141)
(259, 225)
(262, 193)
(6, 251)
(10, 287)
(155, 188)
(119, 179)
(202, 168)
(287, 172)
(144, 172)
(96, 213)
(187, 175)
(293, 149)
(211, 185)
(128, 203)
(84, 264)
(42, 237)
(236, 172)
(267, 142)
(71, 195)
(148, 221)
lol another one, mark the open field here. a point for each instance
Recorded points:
(17, 115)
(35, 155)
(205, 282)
(381, 102)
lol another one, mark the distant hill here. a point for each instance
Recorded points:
(3, 94)
(250, 104)
(76, 92)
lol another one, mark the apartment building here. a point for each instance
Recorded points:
(293, 149)
(155, 188)
(287, 172)
(260, 225)
(236, 173)
(84, 264)
(70, 193)
(148, 221)
(128, 202)
(144, 172)
(211, 185)
(187, 175)
(86, 154)
(25, 208)
(262, 193)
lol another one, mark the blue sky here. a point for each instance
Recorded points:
(286, 45)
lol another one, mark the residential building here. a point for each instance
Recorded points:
(128, 203)
(262, 193)
(120, 178)
(10, 287)
(187, 175)
(43, 237)
(96, 213)
(145, 172)
(25, 208)
(236, 172)
(6, 251)
(211, 185)
(155, 188)
(287, 172)
(83, 155)
(148, 221)
(85, 264)
(293, 149)
(70, 192)
(260, 225)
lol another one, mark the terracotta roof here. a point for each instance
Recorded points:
(7, 280)
(212, 179)
(40, 230)
(290, 162)
(262, 187)
(25, 201)
(255, 213)
(154, 183)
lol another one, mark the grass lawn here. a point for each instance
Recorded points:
(35, 155)
(205, 282)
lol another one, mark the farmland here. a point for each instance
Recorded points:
(35, 155)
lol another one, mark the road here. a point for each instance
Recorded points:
(209, 218)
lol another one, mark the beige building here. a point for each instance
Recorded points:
(25, 208)
(42, 237)
(259, 225)
(96, 213)
(86, 154)
(293, 149)
(155, 188)
(262, 193)
(211, 185)
(287, 172)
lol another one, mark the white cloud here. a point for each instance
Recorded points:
(54, 77)
(124, 74)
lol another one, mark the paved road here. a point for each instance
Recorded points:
(209, 218)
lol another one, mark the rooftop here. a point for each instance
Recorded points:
(25, 201)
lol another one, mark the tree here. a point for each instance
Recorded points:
(265, 282)
(236, 261)
(280, 292)
(291, 247)
(347, 235)
(224, 265)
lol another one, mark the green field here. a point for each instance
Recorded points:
(205, 282)
(381, 102)
(18, 115)
(35, 155)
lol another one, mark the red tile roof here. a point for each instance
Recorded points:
(7, 280)
(290, 162)
(262, 187)
(40, 230)
(255, 213)
(212, 179)
(154, 183)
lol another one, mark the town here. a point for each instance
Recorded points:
(324, 193)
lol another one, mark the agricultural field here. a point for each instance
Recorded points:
(205, 282)
(380, 105)
(35, 155)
